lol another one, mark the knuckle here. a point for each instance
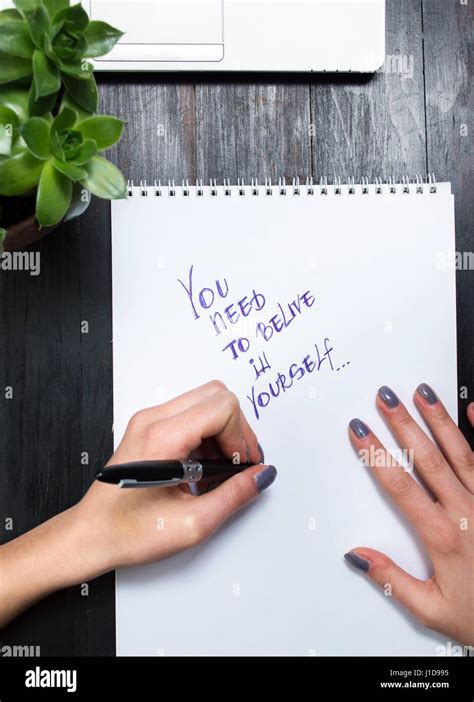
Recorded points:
(402, 420)
(443, 417)
(139, 420)
(152, 433)
(231, 401)
(194, 530)
(401, 485)
(465, 460)
(433, 462)
(216, 385)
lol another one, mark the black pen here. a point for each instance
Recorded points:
(169, 473)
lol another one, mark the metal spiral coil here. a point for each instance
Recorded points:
(419, 185)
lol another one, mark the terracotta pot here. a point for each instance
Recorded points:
(24, 234)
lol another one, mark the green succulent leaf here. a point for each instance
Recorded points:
(13, 68)
(70, 170)
(84, 92)
(46, 75)
(75, 15)
(101, 38)
(15, 39)
(55, 6)
(56, 147)
(53, 197)
(40, 107)
(82, 70)
(69, 45)
(104, 179)
(79, 203)
(9, 14)
(19, 174)
(26, 5)
(35, 132)
(16, 99)
(67, 101)
(65, 120)
(9, 124)
(40, 25)
(85, 153)
(106, 131)
(71, 141)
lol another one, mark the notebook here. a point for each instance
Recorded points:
(304, 299)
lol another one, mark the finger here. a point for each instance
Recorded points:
(215, 507)
(447, 434)
(427, 516)
(192, 398)
(470, 414)
(181, 402)
(218, 417)
(420, 597)
(429, 461)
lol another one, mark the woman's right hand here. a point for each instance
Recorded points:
(141, 526)
(112, 527)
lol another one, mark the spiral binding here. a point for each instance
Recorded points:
(255, 189)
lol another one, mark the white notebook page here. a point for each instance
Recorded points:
(362, 271)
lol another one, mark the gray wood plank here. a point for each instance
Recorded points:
(252, 130)
(448, 35)
(375, 127)
(159, 139)
(40, 437)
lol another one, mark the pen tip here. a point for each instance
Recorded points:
(99, 475)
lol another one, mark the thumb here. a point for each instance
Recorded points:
(470, 413)
(214, 508)
(418, 596)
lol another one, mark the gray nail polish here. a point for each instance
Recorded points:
(357, 561)
(427, 393)
(388, 397)
(262, 454)
(265, 478)
(360, 429)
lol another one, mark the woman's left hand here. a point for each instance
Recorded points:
(445, 523)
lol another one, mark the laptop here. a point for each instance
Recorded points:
(244, 35)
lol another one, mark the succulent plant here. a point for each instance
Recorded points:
(50, 137)
(49, 42)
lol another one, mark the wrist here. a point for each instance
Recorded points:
(59, 553)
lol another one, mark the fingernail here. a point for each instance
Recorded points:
(388, 397)
(262, 454)
(427, 393)
(357, 561)
(265, 478)
(360, 429)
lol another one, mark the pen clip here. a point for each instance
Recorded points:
(152, 483)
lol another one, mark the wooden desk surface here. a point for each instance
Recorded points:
(200, 126)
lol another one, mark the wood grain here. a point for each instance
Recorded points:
(375, 127)
(448, 35)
